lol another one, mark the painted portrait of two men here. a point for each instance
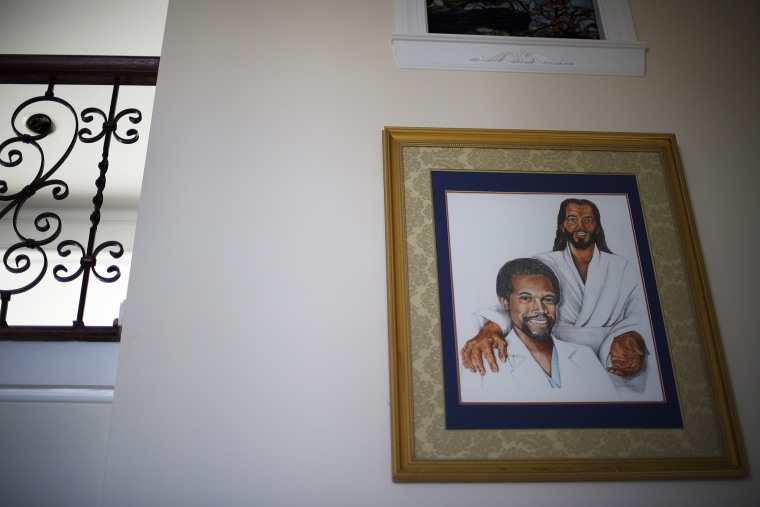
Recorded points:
(552, 296)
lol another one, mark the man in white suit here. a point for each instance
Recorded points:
(539, 368)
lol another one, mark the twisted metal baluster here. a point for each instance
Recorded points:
(89, 256)
(49, 222)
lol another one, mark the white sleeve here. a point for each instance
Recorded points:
(496, 314)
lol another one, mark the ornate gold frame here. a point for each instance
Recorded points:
(710, 443)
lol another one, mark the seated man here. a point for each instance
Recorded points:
(538, 368)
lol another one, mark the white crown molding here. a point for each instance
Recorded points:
(618, 54)
(56, 394)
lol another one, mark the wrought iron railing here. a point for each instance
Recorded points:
(52, 71)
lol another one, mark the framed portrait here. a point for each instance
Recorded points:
(573, 258)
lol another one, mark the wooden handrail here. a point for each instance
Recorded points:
(79, 69)
(60, 333)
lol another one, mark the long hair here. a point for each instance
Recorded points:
(560, 240)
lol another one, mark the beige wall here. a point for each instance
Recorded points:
(254, 365)
(254, 368)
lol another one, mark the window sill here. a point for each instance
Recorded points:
(620, 53)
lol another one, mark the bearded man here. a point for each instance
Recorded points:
(603, 306)
(539, 367)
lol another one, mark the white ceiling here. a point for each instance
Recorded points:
(82, 27)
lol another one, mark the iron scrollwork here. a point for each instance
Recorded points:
(47, 225)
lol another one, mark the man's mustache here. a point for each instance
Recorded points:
(542, 315)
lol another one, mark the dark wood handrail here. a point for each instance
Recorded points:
(79, 69)
(60, 333)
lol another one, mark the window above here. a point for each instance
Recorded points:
(616, 52)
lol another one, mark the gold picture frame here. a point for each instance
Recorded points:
(691, 432)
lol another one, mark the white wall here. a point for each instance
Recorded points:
(52, 453)
(254, 366)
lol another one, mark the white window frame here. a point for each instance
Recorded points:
(618, 53)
